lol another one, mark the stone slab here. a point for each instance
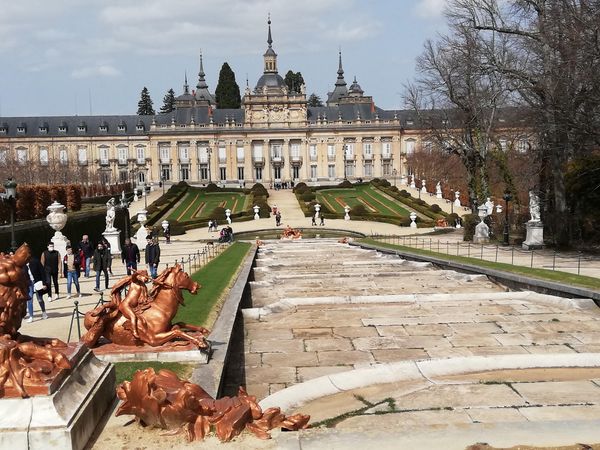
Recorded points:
(559, 392)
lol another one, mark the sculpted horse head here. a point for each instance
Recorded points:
(174, 278)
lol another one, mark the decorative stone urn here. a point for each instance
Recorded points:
(413, 218)
(57, 219)
(347, 210)
(228, 216)
(317, 210)
(142, 233)
(457, 199)
(256, 209)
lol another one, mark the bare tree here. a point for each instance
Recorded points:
(552, 68)
(457, 98)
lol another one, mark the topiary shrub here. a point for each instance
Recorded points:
(384, 183)
(435, 208)
(218, 213)
(359, 210)
(300, 187)
(308, 196)
(259, 189)
(404, 194)
(212, 187)
(345, 184)
(452, 218)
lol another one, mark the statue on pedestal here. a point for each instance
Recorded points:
(534, 207)
(535, 227)
(110, 215)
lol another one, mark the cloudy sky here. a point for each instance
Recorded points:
(58, 55)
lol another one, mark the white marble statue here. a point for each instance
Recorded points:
(534, 207)
(110, 215)
(438, 190)
(489, 204)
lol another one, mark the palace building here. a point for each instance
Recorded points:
(273, 137)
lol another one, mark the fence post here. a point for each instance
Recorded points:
(481, 257)
(429, 244)
(554, 260)
(532, 252)
(512, 256)
(438, 246)
(447, 247)
(457, 248)
(469, 250)
(579, 263)
(496, 253)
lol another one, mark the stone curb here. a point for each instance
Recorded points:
(210, 375)
(292, 303)
(508, 279)
(302, 393)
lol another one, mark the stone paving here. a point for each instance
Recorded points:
(323, 308)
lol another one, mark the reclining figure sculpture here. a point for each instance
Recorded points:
(163, 400)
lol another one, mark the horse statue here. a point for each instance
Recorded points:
(154, 315)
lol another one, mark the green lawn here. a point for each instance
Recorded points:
(371, 198)
(214, 278)
(125, 370)
(197, 204)
(542, 274)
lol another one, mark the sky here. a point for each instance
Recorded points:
(67, 57)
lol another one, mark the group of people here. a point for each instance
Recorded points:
(226, 234)
(318, 216)
(45, 272)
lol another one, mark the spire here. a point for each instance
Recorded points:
(340, 78)
(201, 81)
(186, 87)
(269, 39)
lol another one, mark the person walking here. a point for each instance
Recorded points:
(106, 245)
(88, 251)
(130, 256)
(71, 264)
(152, 256)
(278, 218)
(52, 269)
(101, 263)
(35, 274)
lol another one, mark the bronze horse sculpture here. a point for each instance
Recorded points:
(154, 315)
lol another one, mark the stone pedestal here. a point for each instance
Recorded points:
(64, 419)
(60, 243)
(482, 234)
(535, 235)
(114, 239)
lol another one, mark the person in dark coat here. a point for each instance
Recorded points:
(130, 256)
(101, 263)
(87, 248)
(37, 284)
(51, 261)
(152, 256)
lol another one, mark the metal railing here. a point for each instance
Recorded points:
(549, 259)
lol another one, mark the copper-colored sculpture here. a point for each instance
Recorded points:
(163, 400)
(26, 363)
(144, 317)
(291, 233)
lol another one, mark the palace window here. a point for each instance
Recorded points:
(313, 172)
(223, 173)
(62, 129)
(240, 171)
(165, 154)
(82, 155)
(386, 168)
(313, 152)
(222, 155)
(3, 156)
(331, 152)
(368, 148)
(386, 149)
(21, 156)
(368, 169)
(522, 145)
(277, 173)
(258, 173)
(295, 172)
(331, 171)
(140, 154)
(63, 156)
(44, 156)
(21, 129)
(165, 171)
(184, 172)
(410, 146)
(204, 171)
(350, 169)
(184, 153)
(240, 155)
(122, 153)
(295, 150)
(257, 152)
(123, 175)
(103, 155)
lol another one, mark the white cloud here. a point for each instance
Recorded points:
(429, 9)
(102, 70)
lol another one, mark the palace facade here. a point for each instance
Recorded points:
(273, 137)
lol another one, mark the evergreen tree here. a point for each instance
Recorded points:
(293, 81)
(168, 102)
(227, 94)
(145, 104)
(314, 100)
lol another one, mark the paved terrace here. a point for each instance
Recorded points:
(323, 310)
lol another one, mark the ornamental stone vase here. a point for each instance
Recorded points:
(57, 219)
